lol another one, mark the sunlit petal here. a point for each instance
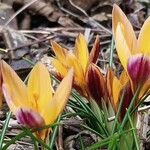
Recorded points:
(144, 37)
(124, 78)
(15, 89)
(119, 17)
(59, 51)
(121, 46)
(81, 51)
(145, 89)
(95, 51)
(109, 82)
(116, 91)
(12, 105)
(39, 87)
(61, 69)
(56, 106)
(72, 61)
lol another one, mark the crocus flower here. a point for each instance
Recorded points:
(79, 59)
(35, 105)
(133, 53)
(109, 87)
(96, 83)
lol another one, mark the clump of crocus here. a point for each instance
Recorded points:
(79, 59)
(133, 53)
(108, 88)
(35, 105)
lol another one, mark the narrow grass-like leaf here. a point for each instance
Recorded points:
(54, 134)
(134, 132)
(131, 106)
(107, 140)
(13, 140)
(93, 131)
(81, 142)
(141, 101)
(118, 112)
(35, 140)
(92, 113)
(4, 129)
(100, 144)
(24, 134)
(111, 53)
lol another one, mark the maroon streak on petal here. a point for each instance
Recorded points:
(29, 118)
(139, 69)
(95, 83)
(127, 99)
(95, 50)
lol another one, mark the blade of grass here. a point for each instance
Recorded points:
(81, 142)
(100, 144)
(118, 112)
(24, 134)
(130, 106)
(134, 132)
(111, 53)
(92, 113)
(54, 134)
(13, 140)
(141, 101)
(5, 129)
(107, 140)
(113, 143)
(29, 133)
(93, 131)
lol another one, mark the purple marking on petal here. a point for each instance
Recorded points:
(29, 118)
(139, 69)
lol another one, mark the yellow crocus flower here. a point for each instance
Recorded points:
(134, 53)
(79, 59)
(35, 105)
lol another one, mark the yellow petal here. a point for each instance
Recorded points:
(81, 51)
(119, 17)
(109, 82)
(61, 69)
(15, 91)
(116, 89)
(145, 89)
(72, 61)
(121, 46)
(59, 51)
(124, 78)
(39, 88)
(144, 37)
(56, 106)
